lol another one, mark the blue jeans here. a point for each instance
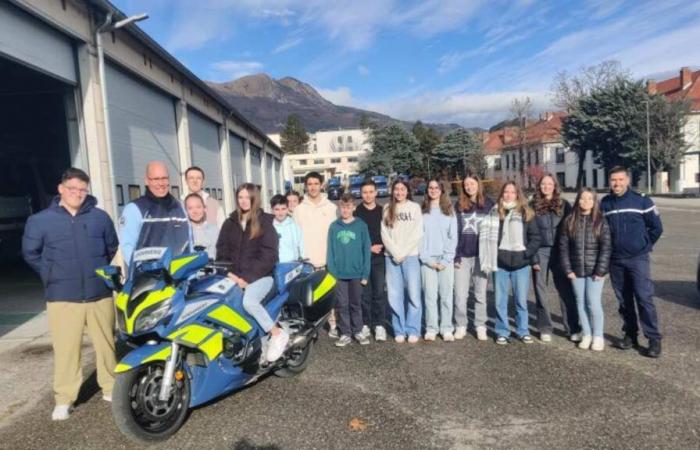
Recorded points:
(405, 312)
(590, 307)
(438, 284)
(521, 285)
(253, 295)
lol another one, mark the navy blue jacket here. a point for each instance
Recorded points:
(634, 221)
(65, 250)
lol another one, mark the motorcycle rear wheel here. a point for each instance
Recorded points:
(138, 413)
(297, 363)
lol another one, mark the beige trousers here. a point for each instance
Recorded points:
(67, 321)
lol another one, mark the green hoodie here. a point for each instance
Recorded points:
(349, 250)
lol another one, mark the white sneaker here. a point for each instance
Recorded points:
(61, 412)
(460, 333)
(107, 398)
(598, 344)
(576, 337)
(379, 333)
(585, 343)
(277, 345)
(343, 341)
(429, 336)
(333, 333)
(366, 332)
(400, 339)
(545, 337)
(412, 339)
(448, 337)
(481, 333)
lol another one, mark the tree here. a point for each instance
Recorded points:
(460, 151)
(394, 150)
(428, 139)
(294, 138)
(611, 123)
(521, 109)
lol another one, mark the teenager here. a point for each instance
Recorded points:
(194, 178)
(293, 200)
(289, 233)
(585, 248)
(471, 208)
(374, 304)
(249, 241)
(402, 232)
(349, 262)
(508, 242)
(314, 215)
(437, 256)
(550, 211)
(204, 233)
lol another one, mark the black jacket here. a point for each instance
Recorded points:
(584, 254)
(250, 259)
(550, 225)
(65, 250)
(509, 260)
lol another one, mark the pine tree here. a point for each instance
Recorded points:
(294, 138)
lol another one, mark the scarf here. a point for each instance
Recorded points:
(512, 239)
(488, 241)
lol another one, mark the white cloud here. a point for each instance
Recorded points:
(339, 96)
(230, 70)
(451, 61)
(362, 70)
(287, 44)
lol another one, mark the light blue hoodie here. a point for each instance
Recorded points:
(439, 238)
(290, 240)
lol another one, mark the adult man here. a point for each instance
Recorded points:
(64, 244)
(374, 293)
(156, 219)
(635, 226)
(194, 177)
(314, 215)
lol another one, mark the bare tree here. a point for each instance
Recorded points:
(521, 110)
(567, 89)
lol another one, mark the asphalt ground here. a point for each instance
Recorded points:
(466, 394)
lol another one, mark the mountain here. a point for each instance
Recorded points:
(268, 102)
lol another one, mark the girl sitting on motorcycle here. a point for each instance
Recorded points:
(248, 241)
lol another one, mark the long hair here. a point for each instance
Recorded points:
(390, 216)
(445, 205)
(465, 200)
(542, 205)
(252, 216)
(520, 200)
(574, 219)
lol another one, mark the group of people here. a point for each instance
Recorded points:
(402, 268)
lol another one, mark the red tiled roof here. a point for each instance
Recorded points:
(547, 129)
(673, 90)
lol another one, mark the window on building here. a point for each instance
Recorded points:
(595, 178)
(319, 161)
(340, 139)
(529, 158)
(349, 140)
(559, 155)
(134, 191)
(537, 157)
(299, 179)
(335, 160)
(315, 148)
(497, 164)
(584, 179)
(507, 162)
(207, 190)
(352, 159)
(120, 195)
(561, 178)
(303, 162)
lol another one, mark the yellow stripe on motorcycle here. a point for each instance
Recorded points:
(213, 346)
(178, 263)
(161, 355)
(150, 300)
(122, 300)
(326, 285)
(121, 368)
(191, 335)
(101, 273)
(230, 317)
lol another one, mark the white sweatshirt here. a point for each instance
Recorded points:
(404, 238)
(314, 221)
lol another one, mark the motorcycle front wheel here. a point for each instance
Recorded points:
(138, 413)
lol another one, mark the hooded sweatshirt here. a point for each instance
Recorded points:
(439, 238)
(349, 250)
(404, 238)
(291, 245)
(314, 221)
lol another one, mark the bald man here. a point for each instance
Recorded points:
(156, 219)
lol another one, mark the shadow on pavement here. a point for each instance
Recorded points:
(680, 292)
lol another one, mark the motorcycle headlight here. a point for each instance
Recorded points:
(150, 316)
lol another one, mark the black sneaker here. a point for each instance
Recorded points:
(628, 342)
(654, 348)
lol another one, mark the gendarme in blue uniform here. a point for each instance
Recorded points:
(150, 221)
(635, 226)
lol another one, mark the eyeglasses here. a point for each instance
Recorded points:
(76, 190)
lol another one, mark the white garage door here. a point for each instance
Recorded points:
(204, 137)
(142, 129)
(255, 165)
(237, 149)
(270, 176)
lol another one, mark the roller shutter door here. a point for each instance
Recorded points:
(142, 129)
(270, 175)
(256, 165)
(237, 150)
(278, 177)
(204, 141)
(29, 41)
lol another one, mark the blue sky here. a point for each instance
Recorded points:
(459, 61)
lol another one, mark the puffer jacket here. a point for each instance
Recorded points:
(549, 225)
(584, 254)
(510, 260)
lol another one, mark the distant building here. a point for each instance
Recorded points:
(686, 177)
(330, 152)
